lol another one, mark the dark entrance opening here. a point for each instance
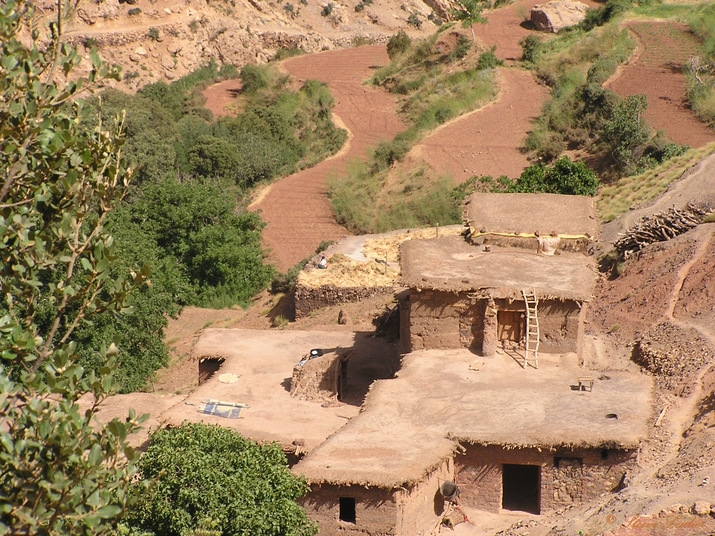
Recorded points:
(510, 326)
(208, 366)
(347, 509)
(521, 485)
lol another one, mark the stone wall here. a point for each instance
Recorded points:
(308, 299)
(568, 476)
(434, 319)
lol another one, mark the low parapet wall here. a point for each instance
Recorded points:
(543, 244)
(308, 299)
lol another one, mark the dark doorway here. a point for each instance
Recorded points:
(510, 326)
(347, 509)
(208, 366)
(521, 485)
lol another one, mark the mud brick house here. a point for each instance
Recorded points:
(463, 410)
(470, 293)
(511, 439)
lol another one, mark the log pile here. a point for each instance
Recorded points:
(659, 228)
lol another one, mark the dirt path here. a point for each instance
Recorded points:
(682, 415)
(657, 72)
(487, 141)
(296, 209)
(505, 27)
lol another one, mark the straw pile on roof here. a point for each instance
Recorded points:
(381, 267)
(343, 271)
(388, 247)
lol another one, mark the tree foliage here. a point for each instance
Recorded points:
(469, 13)
(564, 177)
(60, 473)
(209, 476)
(196, 230)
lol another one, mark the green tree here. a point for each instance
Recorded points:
(200, 476)
(470, 13)
(564, 177)
(194, 223)
(60, 472)
(626, 131)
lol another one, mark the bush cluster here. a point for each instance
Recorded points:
(581, 113)
(182, 218)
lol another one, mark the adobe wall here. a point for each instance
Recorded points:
(317, 379)
(558, 324)
(436, 319)
(376, 510)
(442, 320)
(404, 511)
(581, 245)
(421, 506)
(308, 299)
(568, 476)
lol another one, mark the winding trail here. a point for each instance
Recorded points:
(296, 209)
(487, 141)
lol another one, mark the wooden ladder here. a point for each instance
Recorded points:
(532, 328)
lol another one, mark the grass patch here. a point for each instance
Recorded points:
(621, 196)
(364, 204)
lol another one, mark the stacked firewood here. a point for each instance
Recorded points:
(660, 227)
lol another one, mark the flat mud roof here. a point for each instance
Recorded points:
(451, 264)
(526, 213)
(263, 361)
(408, 423)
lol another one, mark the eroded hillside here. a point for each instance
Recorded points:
(156, 40)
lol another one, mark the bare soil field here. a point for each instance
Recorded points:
(656, 70)
(487, 141)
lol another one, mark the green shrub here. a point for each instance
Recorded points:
(602, 15)
(564, 177)
(359, 7)
(601, 70)
(283, 53)
(254, 77)
(461, 48)
(531, 47)
(134, 11)
(207, 475)
(389, 152)
(153, 33)
(488, 60)
(414, 20)
(327, 9)
(398, 44)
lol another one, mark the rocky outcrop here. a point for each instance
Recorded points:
(558, 14)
